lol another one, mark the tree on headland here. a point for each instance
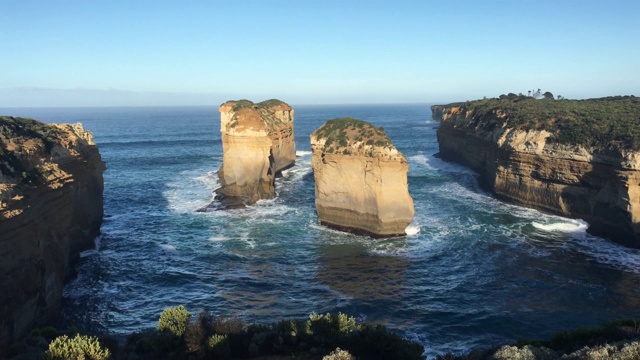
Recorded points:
(548, 95)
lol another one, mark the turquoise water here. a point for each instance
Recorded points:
(474, 272)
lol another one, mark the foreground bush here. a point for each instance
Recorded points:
(210, 337)
(80, 347)
(338, 354)
(174, 319)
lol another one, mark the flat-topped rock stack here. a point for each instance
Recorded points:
(257, 143)
(360, 179)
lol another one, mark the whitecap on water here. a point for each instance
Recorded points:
(566, 226)
(419, 159)
(412, 230)
(168, 247)
(191, 190)
(609, 253)
(95, 249)
(301, 153)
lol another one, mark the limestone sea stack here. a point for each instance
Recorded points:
(360, 179)
(575, 158)
(50, 209)
(257, 143)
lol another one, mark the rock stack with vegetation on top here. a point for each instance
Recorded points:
(257, 144)
(360, 179)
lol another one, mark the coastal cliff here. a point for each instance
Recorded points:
(360, 179)
(437, 111)
(51, 208)
(573, 158)
(257, 144)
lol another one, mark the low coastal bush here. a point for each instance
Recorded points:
(211, 337)
(77, 348)
(174, 320)
(601, 123)
(338, 354)
(331, 336)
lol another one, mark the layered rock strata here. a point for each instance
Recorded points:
(599, 184)
(50, 209)
(257, 143)
(360, 179)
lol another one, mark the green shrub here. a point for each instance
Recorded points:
(338, 354)
(78, 348)
(174, 319)
(218, 346)
(329, 328)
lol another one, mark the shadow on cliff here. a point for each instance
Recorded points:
(602, 199)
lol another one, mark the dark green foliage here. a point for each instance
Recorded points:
(209, 337)
(599, 123)
(567, 342)
(244, 104)
(154, 344)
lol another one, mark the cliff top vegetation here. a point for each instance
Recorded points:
(260, 115)
(20, 137)
(599, 123)
(248, 104)
(346, 135)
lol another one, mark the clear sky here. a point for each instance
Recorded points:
(137, 52)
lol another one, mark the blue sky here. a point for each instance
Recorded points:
(113, 53)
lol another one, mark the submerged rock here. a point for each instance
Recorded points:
(51, 208)
(257, 144)
(360, 179)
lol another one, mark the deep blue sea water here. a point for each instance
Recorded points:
(474, 272)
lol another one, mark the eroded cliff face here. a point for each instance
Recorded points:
(257, 144)
(51, 208)
(525, 167)
(360, 179)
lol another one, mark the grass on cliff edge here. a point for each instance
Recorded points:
(18, 131)
(244, 104)
(599, 123)
(341, 132)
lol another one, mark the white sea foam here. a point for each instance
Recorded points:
(567, 226)
(95, 249)
(419, 159)
(191, 190)
(301, 153)
(609, 253)
(449, 167)
(412, 230)
(168, 247)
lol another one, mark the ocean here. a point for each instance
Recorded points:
(473, 271)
